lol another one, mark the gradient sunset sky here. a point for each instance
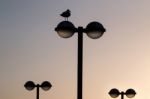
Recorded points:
(30, 49)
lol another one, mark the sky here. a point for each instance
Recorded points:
(30, 49)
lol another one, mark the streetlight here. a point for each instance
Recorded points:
(94, 30)
(114, 93)
(29, 85)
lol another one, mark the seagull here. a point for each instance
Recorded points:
(66, 14)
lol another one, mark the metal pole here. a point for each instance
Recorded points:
(122, 95)
(80, 62)
(37, 94)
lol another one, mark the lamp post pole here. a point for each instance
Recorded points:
(122, 95)
(80, 63)
(37, 91)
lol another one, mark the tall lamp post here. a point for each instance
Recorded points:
(29, 85)
(94, 30)
(114, 93)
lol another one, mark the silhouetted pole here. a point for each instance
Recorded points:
(80, 63)
(37, 91)
(122, 95)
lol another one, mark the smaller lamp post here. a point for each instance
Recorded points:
(114, 93)
(29, 85)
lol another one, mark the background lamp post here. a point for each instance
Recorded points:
(29, 85)
(94, 30)
(114, 93)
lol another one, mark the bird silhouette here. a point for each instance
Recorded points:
(66, 14)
